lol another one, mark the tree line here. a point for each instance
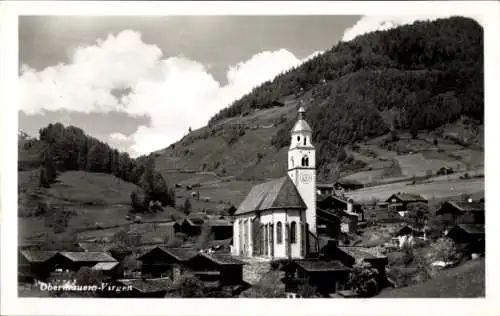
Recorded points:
(69, 148)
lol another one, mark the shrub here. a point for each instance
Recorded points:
(363, 280)
(443, 249)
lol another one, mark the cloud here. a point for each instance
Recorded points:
(174, 92)
(369, 24)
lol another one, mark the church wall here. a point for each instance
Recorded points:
(288, 216)
(236, 237)
(242, 238)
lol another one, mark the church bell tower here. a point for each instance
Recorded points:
(302, 166)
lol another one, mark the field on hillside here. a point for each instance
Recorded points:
(467, 280)
(92, 188)
(215, 197)
(208, 147)
(97, 200)
(437, 189)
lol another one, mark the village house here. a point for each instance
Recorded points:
(407, 235)
(326, 276)
(337, 203)
(191, 226)
(469, 238)
(161, 262)
(66, 261)
(278, 218)
(462, 212)
(350, 255)
(323, 189)
(400, 201)
(349, 222)
(222, 269)
(345, 185)
(34, 265)
(221, 229)
(221, 246)
(328, 224)
(109, 270)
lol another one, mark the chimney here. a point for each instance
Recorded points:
(350, 205)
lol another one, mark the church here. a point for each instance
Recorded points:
(277, 219)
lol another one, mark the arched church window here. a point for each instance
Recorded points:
(293, 232)
(305, 141)
(298, 138)
(279, 233)
(305, 161)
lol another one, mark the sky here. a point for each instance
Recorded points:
(139, 83)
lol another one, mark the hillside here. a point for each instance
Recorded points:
(75, 186)
(387, 106)
(467, 280)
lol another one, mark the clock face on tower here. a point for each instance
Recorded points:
(306, 178)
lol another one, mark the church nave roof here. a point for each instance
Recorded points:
(279, 193)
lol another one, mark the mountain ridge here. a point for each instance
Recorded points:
(420, 80)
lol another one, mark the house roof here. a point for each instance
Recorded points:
(337, 198)
(85, 256)
(327, 216)
(148, 285)
(105, 266)
(321, 266)
(221, 259)
(218, 222)
(181, 254)
(472, 228)
(169, 224)
(279, 193)
(35, 256)
(407, 197)
(324, 185)
(193, 222)
(223, 242)
(466, 206)
(95, 246)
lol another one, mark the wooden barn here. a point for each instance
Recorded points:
(462, 212)
(350, 255)
(221, 229)
(347, 185)
(337, 203)
(165, 262)
(34, 265)
(400, 201)
(191, 226)
(324, 189)
(221, 268)
(328, 223)
(327, 276)
(221, 246)
(109, 270)
(470, 238)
